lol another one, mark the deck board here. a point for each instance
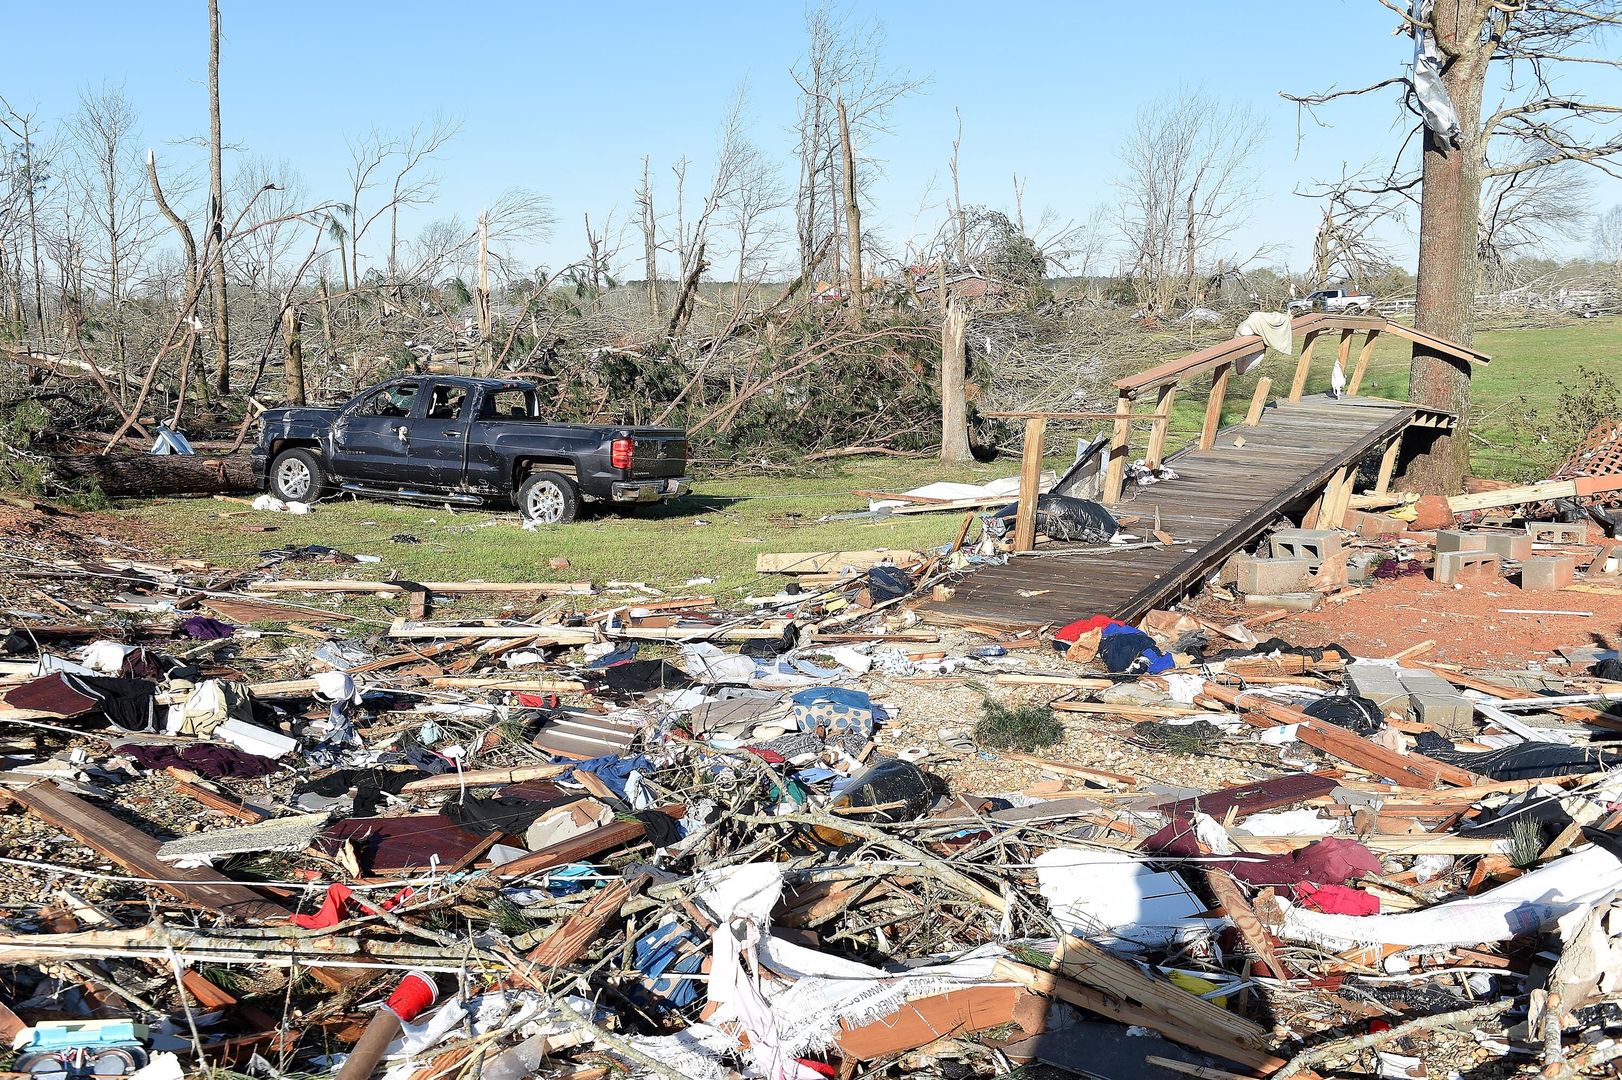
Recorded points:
(1221, 499)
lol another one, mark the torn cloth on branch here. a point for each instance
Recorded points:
(1435, 106)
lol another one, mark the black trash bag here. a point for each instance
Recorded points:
(1608, 670)
(1060, 517)
(888, 583)
(1356, 714)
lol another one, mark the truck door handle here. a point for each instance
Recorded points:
(403, 432)
(453, 434)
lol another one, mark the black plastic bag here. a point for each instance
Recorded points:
(1356, 714)
(1060, 517)
(888, 583)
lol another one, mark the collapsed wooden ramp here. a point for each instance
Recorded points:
(1229, 487)
(1220, 501)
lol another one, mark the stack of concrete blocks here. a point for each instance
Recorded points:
(1463, 557)
(1433, 702)
(1380, 684)
(1314, 545)
(1417, 694)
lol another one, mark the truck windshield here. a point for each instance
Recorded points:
(513, 404)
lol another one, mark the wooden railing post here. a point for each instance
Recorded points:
(1118, 449)
(1258, 401)
(1303, 365)
(1213, 406)
(1157, 433)
(1030, 481)
(1363, 355)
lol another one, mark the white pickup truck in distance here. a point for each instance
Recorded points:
(1333, 301)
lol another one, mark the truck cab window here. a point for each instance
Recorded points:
(514, 404)
(392, 401)
(445, 403)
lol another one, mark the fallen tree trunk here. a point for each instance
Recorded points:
(157, 474)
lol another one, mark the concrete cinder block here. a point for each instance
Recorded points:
(1292, 601)
(1546, 573)
(1557, 532)
(1467, 567)
(1425, 682)
(1459, 540)
(1271, 577)
(1509, 546)
(1379, 684)
(1314, 545)
(1374, 526)
(1451, 715)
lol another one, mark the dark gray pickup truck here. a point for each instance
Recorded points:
(446, 439)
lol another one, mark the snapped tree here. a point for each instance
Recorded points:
(1518, 54)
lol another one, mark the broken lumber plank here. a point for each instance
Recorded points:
(1581, 713)
(137, 852)
(1540, 492)
(448, 588)
(1405, 770)
(159, 941)
(484, 778)
(570, 939)
(1115, 1004)
(575, 849)
(822, 562)
(512, 684)
(197, 789)
(543, 635)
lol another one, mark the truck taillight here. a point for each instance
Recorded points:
(620, 452)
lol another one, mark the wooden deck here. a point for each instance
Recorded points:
(1222, 499)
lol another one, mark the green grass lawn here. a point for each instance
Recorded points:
(715, 532)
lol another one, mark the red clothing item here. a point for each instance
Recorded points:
(1337, 899)
(1074, 630)
(341, 896)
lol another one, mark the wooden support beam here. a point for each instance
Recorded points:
(1319, 513)
(1258, 401)
(1388, 464)
(1118, 449)
(1303, 365)
(1363, 354)
(1335, 510)
(1030, 480)
(1213, 406)
(1157, 433)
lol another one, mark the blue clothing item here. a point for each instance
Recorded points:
(620, 655)
(1125, 649)
(612, 769)
(660, 951)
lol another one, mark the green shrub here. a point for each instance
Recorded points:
(1027, 728)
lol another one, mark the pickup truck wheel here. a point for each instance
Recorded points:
(296, 476)
(547, 498)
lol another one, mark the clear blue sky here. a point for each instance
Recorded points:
(567, 99)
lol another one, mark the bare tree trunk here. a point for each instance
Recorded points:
(689, 291)
(650, 241)
(485, 327)
(957, 202)
(294, 364)
(1448, 257)
(216, 210)
(954, 410)
(188, 245)
(33, 238)
(853, 215)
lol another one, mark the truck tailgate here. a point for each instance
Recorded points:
(660, 453)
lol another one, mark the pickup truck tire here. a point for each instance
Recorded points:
(296, 476)
(548, 498)
(1353, 309)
